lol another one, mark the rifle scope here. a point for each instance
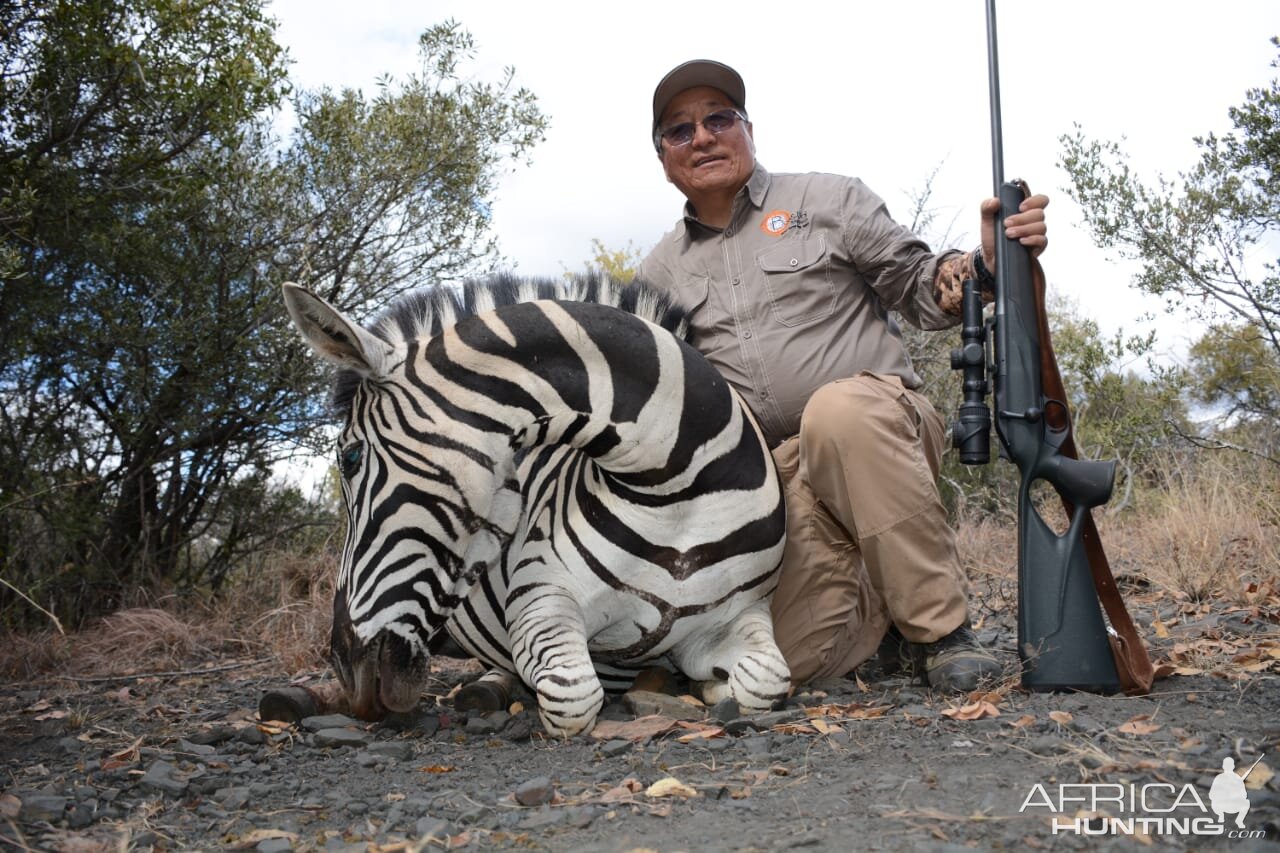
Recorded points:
(971, 432)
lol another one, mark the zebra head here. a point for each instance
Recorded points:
(418, 494)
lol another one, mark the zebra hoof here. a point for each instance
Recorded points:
(289, 705)
(482, 696)
(294, 704)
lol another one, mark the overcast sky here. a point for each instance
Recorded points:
(886, 91)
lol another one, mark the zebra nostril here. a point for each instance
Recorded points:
(402, 673)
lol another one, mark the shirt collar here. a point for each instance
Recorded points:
(754, 190)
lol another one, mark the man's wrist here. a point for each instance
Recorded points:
(980, 272)
(982, 275)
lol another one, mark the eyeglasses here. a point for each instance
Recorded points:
(682, 134)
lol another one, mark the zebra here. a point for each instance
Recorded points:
(547, 473)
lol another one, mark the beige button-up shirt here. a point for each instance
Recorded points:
(796, 291)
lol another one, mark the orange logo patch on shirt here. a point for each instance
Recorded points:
(776, 223)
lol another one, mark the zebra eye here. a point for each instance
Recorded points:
(349, 459)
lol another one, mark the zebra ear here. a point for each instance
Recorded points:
(332, 335)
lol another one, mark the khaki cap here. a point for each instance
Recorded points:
(698, 72)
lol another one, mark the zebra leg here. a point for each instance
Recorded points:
(549, 647)
(490, 692)
(741, 661)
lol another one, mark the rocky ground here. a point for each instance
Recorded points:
(181, 760)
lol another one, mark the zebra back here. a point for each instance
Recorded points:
(427, 312)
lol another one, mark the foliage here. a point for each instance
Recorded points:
(150, 383)
(620, 264)
(1238, 373)
(1117, 412)
(1201, 242)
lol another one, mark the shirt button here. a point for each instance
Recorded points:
(737, 281)
(746, 335)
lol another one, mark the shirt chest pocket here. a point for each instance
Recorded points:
(691, 293)
(797, 277)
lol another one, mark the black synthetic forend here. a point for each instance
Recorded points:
(425, 313)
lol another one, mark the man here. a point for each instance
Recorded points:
(1228, 794)
(789, 280)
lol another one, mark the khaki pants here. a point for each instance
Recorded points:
(867, 535)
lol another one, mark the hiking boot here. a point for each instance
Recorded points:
(894, 655)
(957, 662)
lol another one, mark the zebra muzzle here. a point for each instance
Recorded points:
(384, 676)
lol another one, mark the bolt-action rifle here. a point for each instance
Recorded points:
(1063, 641)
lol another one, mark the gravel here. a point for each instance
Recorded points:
(874, 763)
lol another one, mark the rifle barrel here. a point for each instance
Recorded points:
(993, 76)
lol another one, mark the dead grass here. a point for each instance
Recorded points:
(296, 629)
(127, 642)
(279, 609)
(1208, 530)
(133, 640)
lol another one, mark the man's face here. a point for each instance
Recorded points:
(711, 164)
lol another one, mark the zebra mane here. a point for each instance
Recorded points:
(427, 312)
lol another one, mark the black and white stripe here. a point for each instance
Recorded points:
(549, 473)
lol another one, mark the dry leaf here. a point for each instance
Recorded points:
(255, 837)
(52, 715)
(972, 711)
(1062, 718)
(869, 712)
(1162, 631)
(624, 792)
(669, 787)
(992, 696)
(516, 708)
(42, 705)
(1259, 666)
(698, 731)
(1023, 721)
(10, 806)
(824, 727)
(852, 711)
(1140, 725)
(129, 753)
(438, 768)
(638, 729)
